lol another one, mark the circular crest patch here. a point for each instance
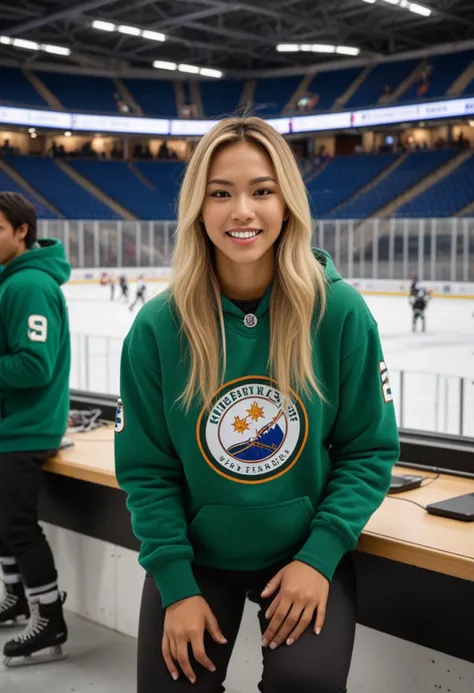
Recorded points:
(248, 437)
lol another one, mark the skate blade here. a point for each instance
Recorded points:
(55, 654)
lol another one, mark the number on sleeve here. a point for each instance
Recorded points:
(386, 389)
(37, 328)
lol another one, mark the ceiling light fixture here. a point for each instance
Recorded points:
(316, 48)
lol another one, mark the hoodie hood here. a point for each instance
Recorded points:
(323, 257)
(46, 255)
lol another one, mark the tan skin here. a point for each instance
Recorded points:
(12, 241)
(245, 272)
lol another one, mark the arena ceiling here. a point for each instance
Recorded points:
(235, 37)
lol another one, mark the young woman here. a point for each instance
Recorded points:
(255, 435)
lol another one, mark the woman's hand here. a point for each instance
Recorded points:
(302, 591)
(185, 623)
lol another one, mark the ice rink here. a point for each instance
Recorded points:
(429, 395)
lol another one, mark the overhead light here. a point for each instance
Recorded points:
(103, 26)
(192, 69)
(56, 50)
(471, 123)
(208, 72)
(30, 130)
(33, 46)
(33, 135)
(420, 9)
(317, 48)
(130, 30)
(22, 43)
(347, 50)
(164, 65)
(287, 47)
(370, 2)
(68, 133)
(323, 48)
(153, 35)
(391, 2)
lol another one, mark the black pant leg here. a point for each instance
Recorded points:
(20, 481)
(227, 604)
(315, 663)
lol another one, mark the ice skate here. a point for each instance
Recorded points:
(14, 610)
(46, 630)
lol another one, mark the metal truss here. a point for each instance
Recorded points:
(238, 37)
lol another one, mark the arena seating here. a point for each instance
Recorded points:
(120, 182)
(81, 92)
(416, 166)
(220, 98)
(445, 70)
(329, 86)
(382, 75)
(447, 197)
(15, 88)
(155, 96)
(273, 93)
(65, 194)
(341, 179)
(166, 177)
(8, 184)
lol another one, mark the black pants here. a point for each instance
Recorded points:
(313, 664)
(21, 537)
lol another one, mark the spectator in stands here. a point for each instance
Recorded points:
(6, 148)
(166, 153)
(122, 105)
(256, 433)
(34, 396)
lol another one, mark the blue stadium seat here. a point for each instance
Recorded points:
(329, 86)
(273, 93)
(341, 179)
(155, 96)
(65, 194)
(16, 89)
(415, 167)
(167, 177)
(220, 98)
(445, 70)
(8, 184)
(384, 74)
(119, 181)
(445, 198)
(81, 92)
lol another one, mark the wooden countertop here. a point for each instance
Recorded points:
(398, 530)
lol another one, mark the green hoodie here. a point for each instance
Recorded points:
(34, 349)
(249, 485)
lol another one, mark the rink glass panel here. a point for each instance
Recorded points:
(433, 249)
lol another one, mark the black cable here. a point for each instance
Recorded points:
(430, 479)
(407, 500)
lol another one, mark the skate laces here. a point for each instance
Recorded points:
(8, 603)
(35, 624)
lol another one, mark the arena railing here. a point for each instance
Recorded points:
(430, 402)
(437, 250)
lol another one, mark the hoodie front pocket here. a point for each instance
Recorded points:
(250, 537)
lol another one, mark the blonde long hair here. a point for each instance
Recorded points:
(299, 287)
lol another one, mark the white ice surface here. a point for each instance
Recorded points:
(433, 363)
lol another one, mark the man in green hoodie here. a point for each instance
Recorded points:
(34, 405)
